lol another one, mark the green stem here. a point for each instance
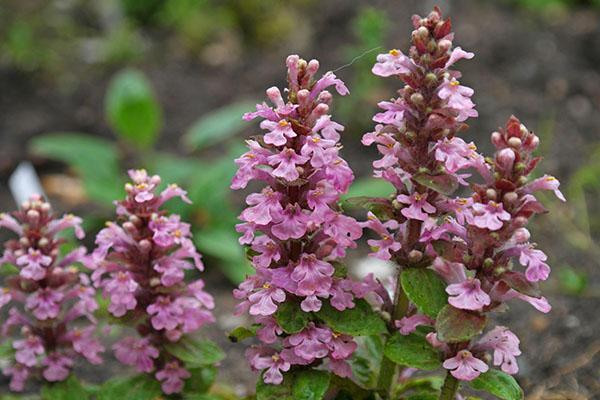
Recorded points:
(450, 387)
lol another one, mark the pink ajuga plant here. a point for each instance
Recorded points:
(50, 301)
(294, 228)
(476, 246)
(140, 262)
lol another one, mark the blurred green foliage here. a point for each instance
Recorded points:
(549, 5)
(135, 114)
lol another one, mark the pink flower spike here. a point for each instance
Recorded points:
(57, 367)
(279, 132)
(265, 207)
(393, 63)
(546, 182)
(34, 263)
(505, 346)
(292, 224)
(19, 374)
(456, 55)
(286, 163)
(465, 366)
(272, 362)
(418, 206)
(468, 295)
(312, 275)
(28, 349)
(137, 353)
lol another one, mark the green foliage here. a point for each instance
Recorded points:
(217, 126)
(291, 318)
(454, 325)
(361, 320)
(298, 385)
(94, 159)
(443, 183)
(370, 187)
(412, 351)
(139, 387)
(366, 360)
(200, 381)
(242, 333)
(196, 353)
(70, 389)
(572, 281)
(499, 384)
(131, 108)
(381, 207)
(425, 289)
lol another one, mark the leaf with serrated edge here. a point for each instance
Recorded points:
(425, 289)
(454, 325)
(499, 384)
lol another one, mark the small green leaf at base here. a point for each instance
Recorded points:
(291, 318)
(412, 351)
(196, 352)
(499, 384)
(361, 320)
(139, 387)
(70, 389)
(304, 384)
(425, 288)
(454, 325)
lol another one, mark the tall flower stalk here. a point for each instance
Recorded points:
(140, 264)
(455, 256)
(50, 322)
(295, 231)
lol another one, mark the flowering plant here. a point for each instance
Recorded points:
(50, 321)
(140, 264)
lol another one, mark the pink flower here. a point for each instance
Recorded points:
(456, 154)
(28, 349)
(465, 366)
(266, 207)
(418, 206)
(387, 245)
(19, 374)
(142, 189)
(468, 295)
(408, 325)
(247, 164)
(86, 344)
(34, 262)
(168, 231)
(286, 163)
(456, 55)
(505, 346)
(546, 182)
(120, 289)
(537, 269)
(66, 222)
(327, 80)
(172, 190)
(340, 367)
(172, 376)
(279, 132)
(393, 63)
(57, 367)
(311, 343)
(263, 301)
(393, 114)
(459, 98)
(451, 272)
(272, 362)
(8, 222)
(5, 296)
(292, 224)
(269, 331)
(341, 346)
(165, 313)
(327, 128)
(312, 275)
(45, 303)
(488, 216)
(137, 353)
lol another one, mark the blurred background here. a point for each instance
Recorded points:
(91, 88)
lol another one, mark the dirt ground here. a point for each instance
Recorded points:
(542, 68)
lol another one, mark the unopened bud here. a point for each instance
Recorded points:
(520, 167)
(320, 109)
(534, 142)
(521, 235)
(520, 221)
(154, 282)
(410, 135)
(312, 67)
(33, 215)
(431, 79)
(134, 219)
(514, 142)
(274, 94)
(129, 227)
(415, 256)
(505, 159)
(431, 46)
(510, 197)
(24, 242)
(417, 98)
(145, 245)
(524, 130)
(302, 96)
(423, 33)
(45, 207)
(488, 263)
(444, 45)
(324, 97)
(522, 180)
(496, 138)
(43, 242)
(491, 194)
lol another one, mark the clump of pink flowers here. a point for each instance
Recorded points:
(50, 322)
(473, 243)
(294, 228)
(140, 263)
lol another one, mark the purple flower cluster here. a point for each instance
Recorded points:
(140, 263)
(472, 243)
(50, 320)
(293, 226)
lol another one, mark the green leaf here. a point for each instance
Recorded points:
(242, 333)
(223, 244)
(455, 326)
(196, 352)
(499, 384)
(94, 159)
(291, 318)
(6, 349)
(412, 351)
(8, 269)
(200, 381)
(444, 183)
(381, 207)
(217, 126)
(310, 385)
(131, 108)
(572, 281)
(305, 384)
(70, 389)
(425, 289)
(361, 320)
(139, 387)
(369, 187)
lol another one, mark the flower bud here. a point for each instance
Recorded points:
(415, 256)
(33, 216)
(312, 67)
(43, 242)
(505, 159)
(417, 98)
(444, 45)
(514, 142)
(520, 221)
(491, 194)
(521, 235)
(510, 197)
(423, 33)
(496, 138)
(145, 245)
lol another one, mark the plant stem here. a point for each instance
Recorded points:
(450, 387)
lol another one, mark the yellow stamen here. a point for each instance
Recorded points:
(394, 52)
